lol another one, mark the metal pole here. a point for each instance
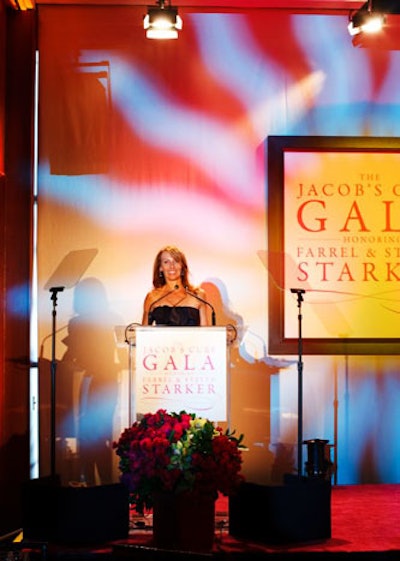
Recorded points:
(299, 293)
(54, 291)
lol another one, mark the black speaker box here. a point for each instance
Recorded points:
(74, 514)
(296, 512)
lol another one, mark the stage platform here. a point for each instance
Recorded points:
(365, 524)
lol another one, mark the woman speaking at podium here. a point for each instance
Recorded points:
(174, 301)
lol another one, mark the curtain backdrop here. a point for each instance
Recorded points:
(144, 144)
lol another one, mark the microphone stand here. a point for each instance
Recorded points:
(54, 291)
(299, 293)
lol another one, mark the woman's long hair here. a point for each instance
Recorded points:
(179, 257)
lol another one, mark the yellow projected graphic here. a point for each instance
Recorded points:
(342, 235)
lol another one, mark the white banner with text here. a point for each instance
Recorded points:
(181, 369)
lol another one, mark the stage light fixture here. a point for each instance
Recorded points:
(162, 21)
(368, 19)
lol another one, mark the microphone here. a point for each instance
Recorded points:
(176, 287)
(299, 292)
(204, 302)
(56, 289)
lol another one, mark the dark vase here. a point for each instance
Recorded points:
(184, 522)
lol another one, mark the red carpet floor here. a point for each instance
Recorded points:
(365, 518)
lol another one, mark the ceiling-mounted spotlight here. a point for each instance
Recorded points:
(367, 19)
(162, 21)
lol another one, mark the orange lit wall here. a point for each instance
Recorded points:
(144, 144)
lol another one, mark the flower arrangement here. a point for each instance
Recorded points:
(177, 452)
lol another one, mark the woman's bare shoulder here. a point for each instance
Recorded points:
(152, 296)
(201, 292)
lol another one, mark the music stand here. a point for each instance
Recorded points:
(66, 275)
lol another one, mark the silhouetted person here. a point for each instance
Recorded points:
(92, 349)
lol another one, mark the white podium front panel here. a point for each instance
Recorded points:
(181, 368)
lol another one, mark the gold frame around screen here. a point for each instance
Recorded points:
(278, 343)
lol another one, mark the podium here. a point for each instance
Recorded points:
(179, 369)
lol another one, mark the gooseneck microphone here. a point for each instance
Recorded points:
(150, 320)
(204, 302)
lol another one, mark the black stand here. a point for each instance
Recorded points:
(54, 291)
(299, 293)
(299, 510)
